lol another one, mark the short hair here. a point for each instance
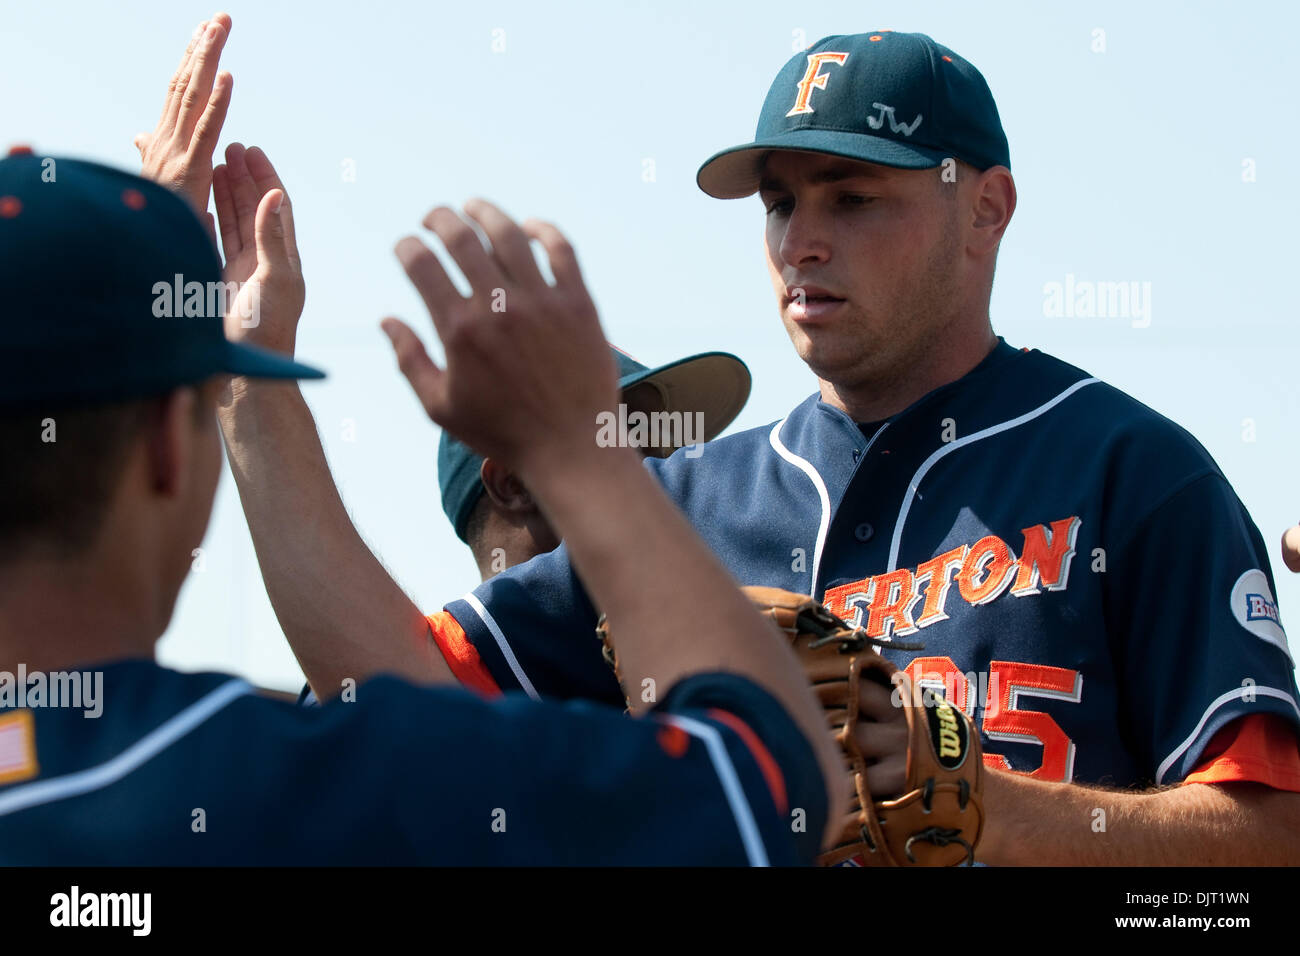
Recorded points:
(62, 468)
(476, 521)
(961, 172)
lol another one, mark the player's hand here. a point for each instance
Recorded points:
(178, 153)
(882, 736)
(261, 250)
(528, 369)
(1291, 548)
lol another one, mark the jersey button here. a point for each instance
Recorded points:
(857, 453)
(864, 531)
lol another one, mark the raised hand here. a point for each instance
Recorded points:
(178, 153)
(261, 250)
(528, 369)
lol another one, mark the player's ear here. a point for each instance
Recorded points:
(506, 490)
(993, 201)
(170, 437)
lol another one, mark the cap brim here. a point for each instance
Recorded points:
(714, 383)
(734, 173)
(256, 362)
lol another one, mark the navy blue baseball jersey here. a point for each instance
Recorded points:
(1084, 580)
(183, 769)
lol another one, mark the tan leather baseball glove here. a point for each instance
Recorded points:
(938, 818)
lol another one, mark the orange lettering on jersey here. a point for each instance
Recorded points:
(1046, 557)
(982, 571)
(938, 570)
(941, 675)
(842, 601)
(991, 556)
(892, 597)
(1005, 720)
(814, 79)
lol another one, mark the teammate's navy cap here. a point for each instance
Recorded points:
(897, 99)
(715, 384)
(98, 270)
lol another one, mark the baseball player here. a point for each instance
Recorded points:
(107, 401)
(690, 400)
(1085, 582)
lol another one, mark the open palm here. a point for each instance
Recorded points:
(256, 225)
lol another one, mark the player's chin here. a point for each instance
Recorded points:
(828, 353)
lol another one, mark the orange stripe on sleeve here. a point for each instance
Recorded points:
(461, 655)
(766, 762)
(1257, 748)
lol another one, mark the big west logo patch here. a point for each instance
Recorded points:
(982, 571)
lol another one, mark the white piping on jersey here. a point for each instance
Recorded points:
(731, 787)
(959, 443)
(111, 771)
(1219, 702)
(499, 636)
(774, 438)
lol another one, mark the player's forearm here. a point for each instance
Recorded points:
(341, 611)
(673, 609)
(1039, 823)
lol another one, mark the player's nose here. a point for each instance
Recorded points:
(804, 238)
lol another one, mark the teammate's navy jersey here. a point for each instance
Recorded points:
(197, 769)
(1084, 580)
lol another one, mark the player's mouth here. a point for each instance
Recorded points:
(810, 303)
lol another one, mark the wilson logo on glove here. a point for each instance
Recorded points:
(948, 735)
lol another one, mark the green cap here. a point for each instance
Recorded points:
(897, 99)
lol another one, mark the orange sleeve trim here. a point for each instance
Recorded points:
(461, 655)
(766, 762)
(1257, 748)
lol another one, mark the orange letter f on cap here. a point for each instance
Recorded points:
(814, 78)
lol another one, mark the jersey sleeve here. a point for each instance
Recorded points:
(1258, 748)
(716, 774)
(533, 627)
(1200, 643)
(530, 628)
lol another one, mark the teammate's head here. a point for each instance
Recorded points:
(113, 359)
(491, 509)
(884, 175)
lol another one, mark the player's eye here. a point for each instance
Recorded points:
(856, 199)
(780, 206)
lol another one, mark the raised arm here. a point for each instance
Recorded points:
(512, 390)
(343, 614)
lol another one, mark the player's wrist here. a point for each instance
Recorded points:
(247, 402)
(560, 463)
(285, 344)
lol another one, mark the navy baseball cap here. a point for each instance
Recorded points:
(109, 289)
(897, 99)
(714, 383)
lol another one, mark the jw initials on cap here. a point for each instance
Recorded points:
(814, 78)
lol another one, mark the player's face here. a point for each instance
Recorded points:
(876, 252)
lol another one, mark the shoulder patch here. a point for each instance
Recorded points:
(1255, 609)
(17, 747)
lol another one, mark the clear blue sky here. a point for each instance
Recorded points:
(1129, 165)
